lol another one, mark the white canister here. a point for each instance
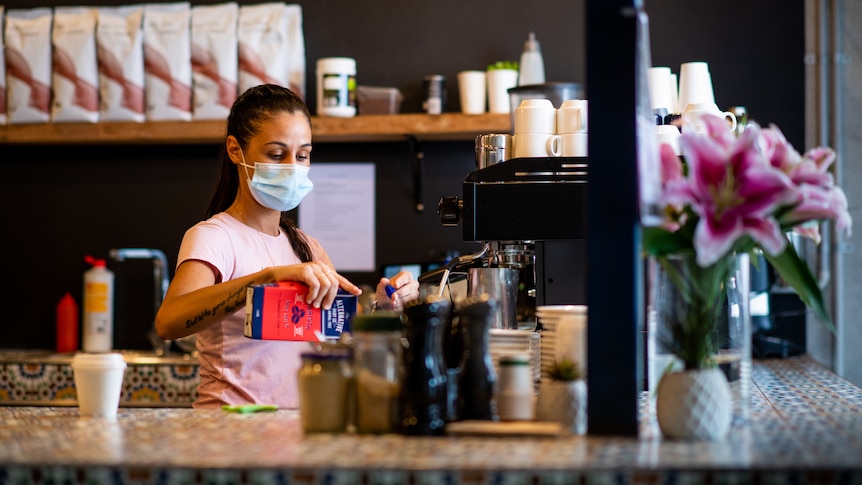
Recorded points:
(336, 87)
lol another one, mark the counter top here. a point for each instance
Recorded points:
(805, 426)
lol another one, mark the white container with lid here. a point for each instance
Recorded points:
(336, 87)
(99, 383)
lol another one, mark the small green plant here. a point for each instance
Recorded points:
(503, 65)
(565, 369)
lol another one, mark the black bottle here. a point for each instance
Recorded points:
(423, 385)
(478, 378)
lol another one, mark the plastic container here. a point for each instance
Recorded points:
(67, 325)
(325, 391)
(532, 66)
(373, 100)
(336, 87)
(377, 360)
(98, 333)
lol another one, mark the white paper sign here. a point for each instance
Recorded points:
(339, 212)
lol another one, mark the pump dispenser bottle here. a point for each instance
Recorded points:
(532, 66)
(98, 307)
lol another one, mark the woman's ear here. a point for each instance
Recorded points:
(234, 151)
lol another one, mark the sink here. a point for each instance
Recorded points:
(45, 378)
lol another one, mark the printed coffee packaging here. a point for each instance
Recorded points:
(295, 50)
(265, 45)
(120, 44)
(2, 75)
(278, 311)
(167, 61)
(214, 60)
(76, 72)
(28, 65)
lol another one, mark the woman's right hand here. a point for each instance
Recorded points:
(322, 280)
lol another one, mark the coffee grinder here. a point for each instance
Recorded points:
(530, 213)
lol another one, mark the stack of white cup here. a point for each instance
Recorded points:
(535, 130)
(572, 127)
(541, 130)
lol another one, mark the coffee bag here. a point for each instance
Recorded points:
(214, 60)
(167, 61)
(120, 46)
(28, 64)
(76, 72)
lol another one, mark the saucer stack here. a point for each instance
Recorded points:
(504, 342)
(564, 334)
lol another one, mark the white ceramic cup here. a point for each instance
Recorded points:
(574, 145)
(98, 383)
(695, 84)
(572, 117)
(693, 112)
(660, 90)
(668, 134)
(531, 145)
(499, 81)
(471, 88)
(536, 116)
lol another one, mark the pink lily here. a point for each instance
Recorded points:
(733, 189)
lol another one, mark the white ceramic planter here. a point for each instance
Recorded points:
(694, 404)
(563, 402)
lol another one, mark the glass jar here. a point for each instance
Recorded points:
(377, 362)
(325, 389)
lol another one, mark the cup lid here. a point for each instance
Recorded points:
(110, 359)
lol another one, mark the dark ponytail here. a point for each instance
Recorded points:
(251, 109)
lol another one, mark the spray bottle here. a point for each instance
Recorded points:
(532, 66)
(98, 307)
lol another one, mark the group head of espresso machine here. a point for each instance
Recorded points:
(529, 214)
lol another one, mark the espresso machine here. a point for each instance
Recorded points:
(529, 214)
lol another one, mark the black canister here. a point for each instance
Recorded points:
(476, 316)
(423, 386)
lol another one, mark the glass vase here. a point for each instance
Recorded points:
(716, 302)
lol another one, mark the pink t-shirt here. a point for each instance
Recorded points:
(235, 369)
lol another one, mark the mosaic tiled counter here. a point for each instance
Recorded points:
(805, 427)
(33, 377)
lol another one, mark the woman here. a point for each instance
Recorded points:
(246, 240)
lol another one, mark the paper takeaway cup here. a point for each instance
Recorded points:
(99, 382)
(471, 89)
(695, 84)
(660, 90)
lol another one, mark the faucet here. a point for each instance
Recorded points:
(161, 281)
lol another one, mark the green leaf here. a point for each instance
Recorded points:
(795, 272)
(660, 242)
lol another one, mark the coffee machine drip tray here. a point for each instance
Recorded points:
(526, 199)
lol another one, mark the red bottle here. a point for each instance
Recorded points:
(67, 324)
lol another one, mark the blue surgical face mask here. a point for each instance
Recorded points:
(278, 186)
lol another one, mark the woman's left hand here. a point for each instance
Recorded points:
(402, 289)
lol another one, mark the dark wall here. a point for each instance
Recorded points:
(64, 202)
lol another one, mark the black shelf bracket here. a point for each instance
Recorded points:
(418, 158)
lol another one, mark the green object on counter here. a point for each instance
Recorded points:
(249, 408)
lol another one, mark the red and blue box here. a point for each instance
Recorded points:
(278, 311)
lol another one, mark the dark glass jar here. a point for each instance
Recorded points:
(423, 384)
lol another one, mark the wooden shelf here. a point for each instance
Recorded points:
(447, 126)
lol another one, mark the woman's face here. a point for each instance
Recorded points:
(285, 138)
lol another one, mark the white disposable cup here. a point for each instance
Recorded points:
(516, 374)
(499, 81)
(660, 90)
(536, 116)
(471, 88)
(571, 340)
(574, 145)
(99, 383)
(695, 84)
(694, 111)
(668, 134)
(572, 117)
(533, 145)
